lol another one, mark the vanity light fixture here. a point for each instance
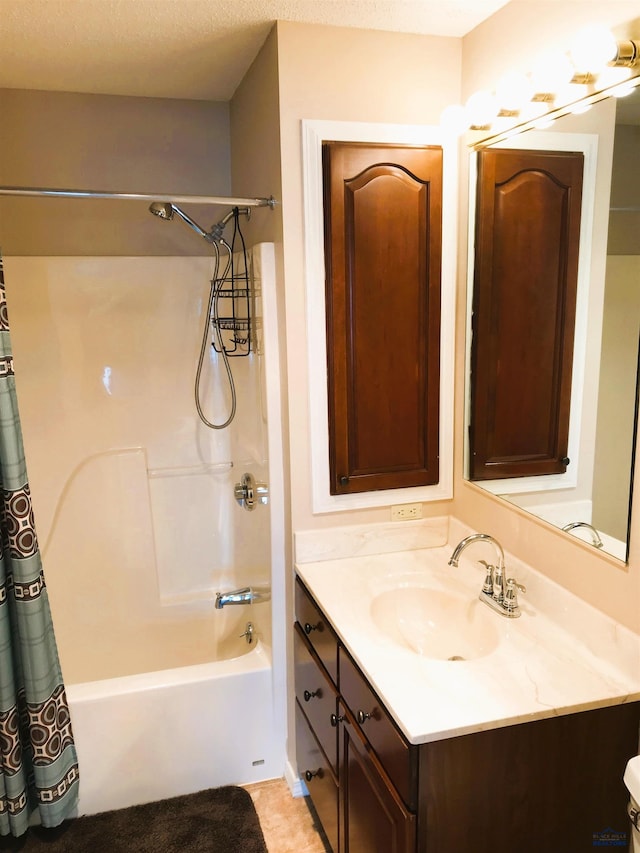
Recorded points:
(558, 84)
(627, 53)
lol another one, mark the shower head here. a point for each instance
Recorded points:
(166, 210)
(162, 209)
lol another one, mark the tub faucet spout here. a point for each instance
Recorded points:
(247, 595)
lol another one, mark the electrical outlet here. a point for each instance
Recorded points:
(404, 512)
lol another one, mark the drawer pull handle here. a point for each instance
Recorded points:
(308, 628)
(309, 774)
(362, 717)
(335, 719)
(308, 695)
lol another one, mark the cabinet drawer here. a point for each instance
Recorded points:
(313, 767)
(320, 634)
(396, 755)
(317, 697)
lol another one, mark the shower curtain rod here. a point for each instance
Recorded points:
(162, 197)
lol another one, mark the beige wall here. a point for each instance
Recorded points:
(512, 38)
(625, 192)
(343, 75)
(112, 143)
(255, 143)
(617, 398)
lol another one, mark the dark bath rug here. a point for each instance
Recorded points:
(220, 820)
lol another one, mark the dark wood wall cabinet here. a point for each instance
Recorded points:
(546, 785)
(524, 304)
(383, 241)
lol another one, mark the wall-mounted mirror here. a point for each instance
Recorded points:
(591, 498)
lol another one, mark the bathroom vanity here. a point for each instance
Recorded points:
(521, 748)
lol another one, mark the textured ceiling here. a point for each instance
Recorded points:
(185, 48)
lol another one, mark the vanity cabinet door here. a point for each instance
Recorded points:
(314, 769)
(373, 818)
(398, 757)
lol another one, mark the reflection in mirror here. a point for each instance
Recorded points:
(591, 499)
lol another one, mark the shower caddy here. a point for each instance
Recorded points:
(231, 320)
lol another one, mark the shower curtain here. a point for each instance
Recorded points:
(38, 762)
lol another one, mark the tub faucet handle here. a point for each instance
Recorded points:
(248, 632)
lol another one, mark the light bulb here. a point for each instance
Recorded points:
(551, 72)
(570, 93)
(580, 108)
(592, 48)
(543, 123)
(622, 90)
(514, 89)
(611, 76)
(481, 108)
(534, 110)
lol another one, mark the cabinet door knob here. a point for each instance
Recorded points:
(344, 481)
(335, 719)
(362, 717)
(308, 628)
(308, 695)
(309, 774)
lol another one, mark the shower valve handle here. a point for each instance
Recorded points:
(249, 494)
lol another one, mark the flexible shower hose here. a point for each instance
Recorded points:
(217, 281)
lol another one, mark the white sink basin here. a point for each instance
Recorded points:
(436, 624)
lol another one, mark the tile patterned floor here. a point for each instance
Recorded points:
(287, 823)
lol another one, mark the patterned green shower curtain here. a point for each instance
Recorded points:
(38, 762)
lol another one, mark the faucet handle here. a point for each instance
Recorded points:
(510, 600)
(487, 586)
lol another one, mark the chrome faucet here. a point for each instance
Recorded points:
(247, 595)
(498, 592)
(595, 536)
(477, 537)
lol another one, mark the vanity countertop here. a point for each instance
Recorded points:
(559, 657)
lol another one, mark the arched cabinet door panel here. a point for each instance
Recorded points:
(524, 305)
(383, 239)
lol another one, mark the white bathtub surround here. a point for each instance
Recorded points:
(561, 655)
(139, 524)
(157, 735)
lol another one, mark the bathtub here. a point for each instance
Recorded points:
(174, 731)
